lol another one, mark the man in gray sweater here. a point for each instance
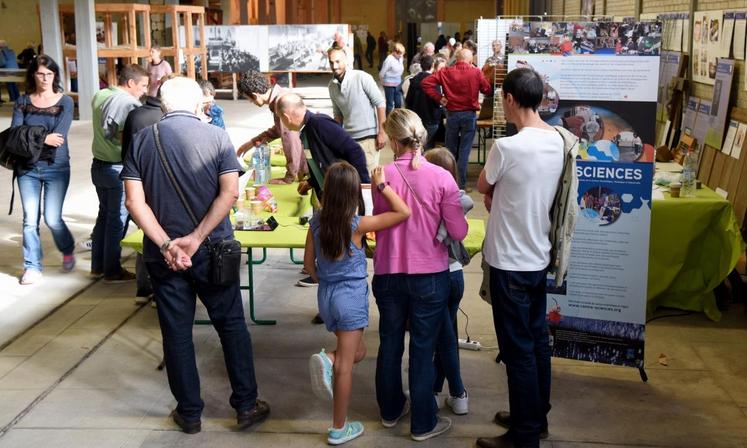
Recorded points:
(358, 105)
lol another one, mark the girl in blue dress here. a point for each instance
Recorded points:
(335, 257)
(45, 105)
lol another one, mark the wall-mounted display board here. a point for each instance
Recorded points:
(708, 45)
(291, 48)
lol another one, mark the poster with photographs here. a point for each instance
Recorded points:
(707, 47)
(302, 47)
(720, 104)
(233, 49)
(489, 31)
(586, 38)
(601, 83)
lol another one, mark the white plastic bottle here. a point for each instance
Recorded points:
(689, 174)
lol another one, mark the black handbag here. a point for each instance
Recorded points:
(225, 255)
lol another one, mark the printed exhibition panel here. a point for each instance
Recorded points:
(302, 47)
(708, 45)
(490, 30)
(601, 83)
(238, 48)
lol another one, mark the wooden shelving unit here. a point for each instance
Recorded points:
(133, 47)
(185, 15)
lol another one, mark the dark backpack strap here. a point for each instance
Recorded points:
(13, 191)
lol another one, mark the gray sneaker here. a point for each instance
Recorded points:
(443, 425)
(393, 423)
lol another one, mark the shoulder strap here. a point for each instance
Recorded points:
(412, 190)
(172, 178)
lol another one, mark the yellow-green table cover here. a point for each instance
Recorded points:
(292, 235)
(695, 243)
(277, 160)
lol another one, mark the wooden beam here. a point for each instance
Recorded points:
(203, 49)
(391, 12)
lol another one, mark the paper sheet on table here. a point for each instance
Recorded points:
(727, 35)
(740, 29)
(731, 134)
(736, 148)
(244, 180)
(367, 199)
(668, 167)
(657, 193)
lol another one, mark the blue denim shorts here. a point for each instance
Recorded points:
(344, 305)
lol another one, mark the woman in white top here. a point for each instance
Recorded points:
(391, 77)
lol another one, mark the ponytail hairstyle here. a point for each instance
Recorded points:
(342, 199)
(405, 127)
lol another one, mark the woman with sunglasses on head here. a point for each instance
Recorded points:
(45, 104)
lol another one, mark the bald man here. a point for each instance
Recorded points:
(325, 138)
(461, 85)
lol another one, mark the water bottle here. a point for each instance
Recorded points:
(689, 174)
(266, 162)
(261, 164)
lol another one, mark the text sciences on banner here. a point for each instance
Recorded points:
(601, 83)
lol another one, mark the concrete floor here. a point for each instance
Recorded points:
(78, 360)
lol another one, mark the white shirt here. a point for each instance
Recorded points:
(525, 169)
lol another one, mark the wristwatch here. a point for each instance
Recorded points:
(165, 246)
(381, 186)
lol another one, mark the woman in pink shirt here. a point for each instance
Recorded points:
(157, 69)
(411, 276)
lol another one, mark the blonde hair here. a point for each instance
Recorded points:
(399, 48)
(405, 127)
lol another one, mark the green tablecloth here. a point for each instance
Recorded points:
(695, 243)
(292, 235)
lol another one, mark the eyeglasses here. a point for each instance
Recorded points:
(44, 75)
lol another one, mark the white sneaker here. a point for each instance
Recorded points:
(443, 425)
(142, 300)
(458, 405)
(30, 276)
(85, 245)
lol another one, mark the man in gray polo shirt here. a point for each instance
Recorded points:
(358, 105)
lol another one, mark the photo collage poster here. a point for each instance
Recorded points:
(709, 44)
(266, 48)
(489, 30)
(601, 83)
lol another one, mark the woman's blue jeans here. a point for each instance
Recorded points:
(422, 298)
(51, 182)
(446, 361)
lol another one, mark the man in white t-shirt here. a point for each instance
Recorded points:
(519, 181)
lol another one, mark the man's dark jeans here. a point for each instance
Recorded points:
(175, 297)
(519, 309)
(422, 298)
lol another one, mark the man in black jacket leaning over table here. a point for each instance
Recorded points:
(327, 140)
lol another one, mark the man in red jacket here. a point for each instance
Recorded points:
(461, 85)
